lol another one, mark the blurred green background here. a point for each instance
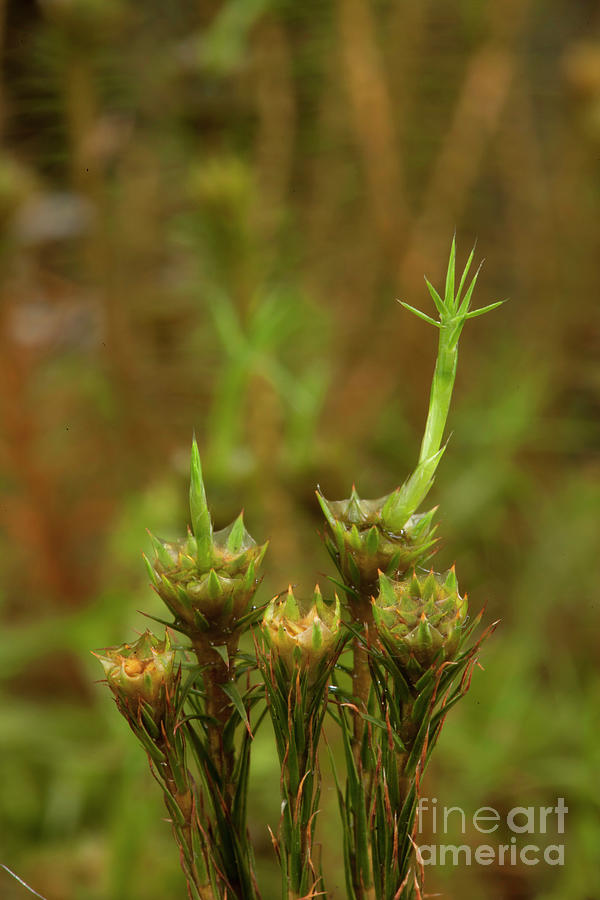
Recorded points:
(207, 211)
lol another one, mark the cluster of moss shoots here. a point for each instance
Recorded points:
(384, 660)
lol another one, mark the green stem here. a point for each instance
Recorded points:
(407, 499)
(441, 393)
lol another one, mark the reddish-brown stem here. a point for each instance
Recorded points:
(218, 706)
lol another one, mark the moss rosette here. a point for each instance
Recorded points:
(141, 672)
(362, 544)
(420, 620)
(213, 596)
(302, 635)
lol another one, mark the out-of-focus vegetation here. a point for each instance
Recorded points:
(206, 213)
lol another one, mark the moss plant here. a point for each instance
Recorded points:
(195, 706)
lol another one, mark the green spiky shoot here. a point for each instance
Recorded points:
(453, 310)
(201, 521)
(207, 579)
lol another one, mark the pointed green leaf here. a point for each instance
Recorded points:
(326, 510)
(201, 521)
(150, 570)
(451, 583)
(291, 609)
(464, 275)
(464, 306)
(435, 297)
(214, 586)
(449, 290)
(161, 551)
(484, 309)
(236, 535)
(421, 315)
(222, 651)
(386, 590)
(428, 587)
(372, 540)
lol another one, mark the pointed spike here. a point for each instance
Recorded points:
(319, 602)
(451, 583)
(389, 506)
(151, 573)
(236, 536)
(106, 662)
(354, 512)
(250, 576)
(180, 594)
(213, 585)
(324, 504)
(167, 587)
(464, 275)
(355, 541)
(163, 555)
(415, 585)
(464, 306)
(337, 615)
(291, 609)
(429, 586)
(422, 523)
(269, 613)
(222, 651)
(484, 309)
(190, 539)
(419, 314)
(449, 289)
(263, 549)
(377, 615)
(201, 521)
(386, 589)
(439, 303)
(424, 632)
(372, 540)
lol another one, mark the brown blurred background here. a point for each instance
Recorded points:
(207, 211)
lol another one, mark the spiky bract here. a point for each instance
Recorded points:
(213, 597)
(140, 673)
(362, 544)
(302, 634)
(209, 578)
(420, 620)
